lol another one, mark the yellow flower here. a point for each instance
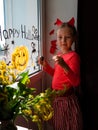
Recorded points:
(27, 112)
(1, 78)
(2, 65)
(35, 118)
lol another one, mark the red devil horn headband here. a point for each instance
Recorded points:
(58, 22)
(70, 22)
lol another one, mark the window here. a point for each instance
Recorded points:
(2, 40)
(20, 26)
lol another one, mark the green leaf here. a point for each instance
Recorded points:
(24, 77)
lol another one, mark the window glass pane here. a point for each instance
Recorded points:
(2, 41)
(22, 27)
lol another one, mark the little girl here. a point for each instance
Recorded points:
(66, 76)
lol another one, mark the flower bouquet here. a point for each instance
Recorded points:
(16, 97)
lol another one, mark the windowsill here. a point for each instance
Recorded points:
(37, 76)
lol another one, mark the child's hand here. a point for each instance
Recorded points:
(61, 62)
(41, 60)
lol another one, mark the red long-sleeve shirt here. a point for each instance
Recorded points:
(60, 77)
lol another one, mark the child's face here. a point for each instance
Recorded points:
(64, 39)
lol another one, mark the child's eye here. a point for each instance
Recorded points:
(68, 37)
(60, 37)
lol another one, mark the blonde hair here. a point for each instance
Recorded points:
(72, 28)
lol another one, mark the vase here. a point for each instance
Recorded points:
(8, 125)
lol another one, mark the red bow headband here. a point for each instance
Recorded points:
(70, 22)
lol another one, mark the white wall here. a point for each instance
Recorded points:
(62, 9)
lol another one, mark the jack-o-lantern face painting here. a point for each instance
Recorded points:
(20, 58)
